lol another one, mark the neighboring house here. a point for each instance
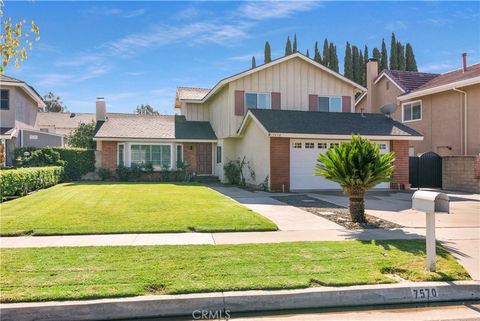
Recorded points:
(443, 108)
(278, 116)
(62, 123)
(18, 113)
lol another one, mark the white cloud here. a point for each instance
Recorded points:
(246, 57)
(440, 67)
(59, 79)
(396, 25)
(437, 22)
(275, 9)
(114, 12)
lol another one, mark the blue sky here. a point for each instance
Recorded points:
(139, 52)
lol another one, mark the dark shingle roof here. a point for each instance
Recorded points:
(304, 122)
(409, 80)
(193, 129)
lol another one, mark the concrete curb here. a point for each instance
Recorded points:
(244, 301)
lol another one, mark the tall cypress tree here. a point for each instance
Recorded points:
(410, 62)
(268, 53)
(316, 55)
(294, 43)
(364, 66)
(348, 62)
(376, 55)
(333, 63)
(326, 53)
(362, 69)
(393, 53)
(357, 73)
(384, 60)
(288, 47)
(400, 56)
(254, 63)
(307, 53)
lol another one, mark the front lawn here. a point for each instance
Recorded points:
(38, 274)
(90, 208)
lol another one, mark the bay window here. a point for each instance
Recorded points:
(157, 155)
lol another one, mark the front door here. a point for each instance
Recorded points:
(204, 158)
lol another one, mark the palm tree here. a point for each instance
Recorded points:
(357, 166)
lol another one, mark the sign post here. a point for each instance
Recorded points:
(430, 203)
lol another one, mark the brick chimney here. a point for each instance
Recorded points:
(372, 73)
(101, 110)
(464, 58)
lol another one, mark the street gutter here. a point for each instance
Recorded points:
(242, 301)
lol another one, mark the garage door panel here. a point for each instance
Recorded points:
(303, 161)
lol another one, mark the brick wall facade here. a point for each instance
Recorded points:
(279, 164)
(109, 155)
(461, 173)
(190, 156)
(401, 172)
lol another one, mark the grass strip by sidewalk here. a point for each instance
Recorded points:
(40, 274)
(112, 207)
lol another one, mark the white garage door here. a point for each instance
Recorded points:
(303, 158)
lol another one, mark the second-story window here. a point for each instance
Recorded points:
(330, 104)
(258, 101)
(5, 99)
(412, 111)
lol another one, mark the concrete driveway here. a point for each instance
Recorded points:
(458, 231)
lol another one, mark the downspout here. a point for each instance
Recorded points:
(465, 152)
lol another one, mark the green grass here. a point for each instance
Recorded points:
(90, 208)
(38, 274)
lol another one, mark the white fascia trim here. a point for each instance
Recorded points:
(361, 97)
(13, 134)
(343, 137)
(249, 116)
(225, 81)
(28, 90)
(384, 74)
(153, 140)
(450, 86)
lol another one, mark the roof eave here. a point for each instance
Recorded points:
(385, 74)
(341, 136)
(437, 89)
(28, 90)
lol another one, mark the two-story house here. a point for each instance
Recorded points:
(444, 108)
(278, 117)
(19, 107)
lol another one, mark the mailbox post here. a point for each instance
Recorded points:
(430, 203)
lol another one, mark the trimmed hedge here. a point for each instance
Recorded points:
(78, 161)
(19, 182)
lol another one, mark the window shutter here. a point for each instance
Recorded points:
(276, 101)
(312, 102)
(239, 102)
(346, 104)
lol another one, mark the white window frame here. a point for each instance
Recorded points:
(156, 167)
(257, 94)
(309, 145)
(330, 103)
(124, 153)
(411, 103)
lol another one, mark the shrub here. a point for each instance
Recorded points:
(19, 182)
(40, 158)
(104, 173)
(76, 161)
(123, 173)
(79, 161)
(232, 171)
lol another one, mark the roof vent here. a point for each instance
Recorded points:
(388, 109)
(72, 115)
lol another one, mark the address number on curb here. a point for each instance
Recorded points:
(424, 293)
